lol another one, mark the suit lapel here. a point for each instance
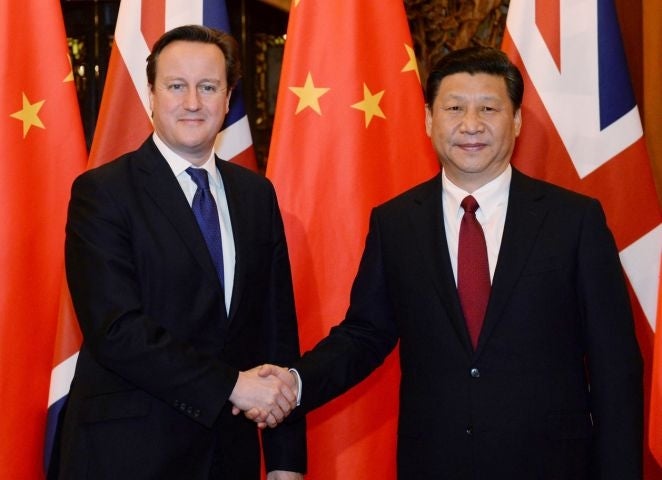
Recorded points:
(427, 221)
(524, 219)
(162, 186)
(239, 233)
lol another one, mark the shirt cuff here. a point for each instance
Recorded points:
(294, 372)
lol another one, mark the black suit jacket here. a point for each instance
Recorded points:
(160, 355)
(554, 388)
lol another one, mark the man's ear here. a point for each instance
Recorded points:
(150, 96)
(428, 119)
(518, 121)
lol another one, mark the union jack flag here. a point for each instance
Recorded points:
(582, 129)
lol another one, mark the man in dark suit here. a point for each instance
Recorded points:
(172, 318)
(541, 379)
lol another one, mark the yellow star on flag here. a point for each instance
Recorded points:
(70, 75)
(412, 64)
(29, 115)
(370, 105)
(309, 95)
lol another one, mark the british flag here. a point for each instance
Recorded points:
(582, 129)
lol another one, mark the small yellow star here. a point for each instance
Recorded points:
(412, 64)
(70, 75)
(309, 95)
(29, 115)
(370, 105)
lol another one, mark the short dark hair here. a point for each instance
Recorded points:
(474, 60)
(201, 34)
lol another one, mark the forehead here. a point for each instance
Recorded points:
(473, 85)
(185, 57)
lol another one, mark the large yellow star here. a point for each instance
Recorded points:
(412, 64)
(309, 95)
(29, 115)
(370, 105)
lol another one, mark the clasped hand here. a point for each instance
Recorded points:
(266, 394)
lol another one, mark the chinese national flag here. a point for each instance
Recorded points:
(581, 129)
(349, 134)
(43, 150)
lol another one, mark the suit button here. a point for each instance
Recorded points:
(176, 403)
(469, 430)
(475, 373)
(196, 413)
(182, 406)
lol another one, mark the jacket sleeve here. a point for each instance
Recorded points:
(361, 342)
(284, 446)
(613, 357)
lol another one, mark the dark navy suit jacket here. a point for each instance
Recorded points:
(160, 355)
(554, 388)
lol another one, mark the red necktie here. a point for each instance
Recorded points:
(473, 271)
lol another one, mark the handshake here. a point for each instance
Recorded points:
(266, 394)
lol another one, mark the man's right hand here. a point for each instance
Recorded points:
(265, 395)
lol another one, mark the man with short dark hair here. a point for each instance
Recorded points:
(180, 278)
(517, 348)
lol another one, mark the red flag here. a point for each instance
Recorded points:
(43, 150)
(348, 134)
(581, 129)
(655, 420)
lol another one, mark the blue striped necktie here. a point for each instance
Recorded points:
(206, 213)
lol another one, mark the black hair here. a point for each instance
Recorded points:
(474, 60)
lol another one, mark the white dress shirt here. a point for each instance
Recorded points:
(492, 199)
(179, 166)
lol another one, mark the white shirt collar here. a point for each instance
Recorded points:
(490, 197)
(179, 164)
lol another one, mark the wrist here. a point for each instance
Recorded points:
(299, 383)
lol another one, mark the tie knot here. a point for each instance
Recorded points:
(199, 177)
(469, 204)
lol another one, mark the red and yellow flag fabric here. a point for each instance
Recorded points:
(582, 130)
(43, 150)
(349, 134)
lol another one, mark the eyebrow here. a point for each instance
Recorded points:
(211, 80)
(457, 96)
(202, 80)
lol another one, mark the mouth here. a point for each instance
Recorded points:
(192, 121)
(471, 147)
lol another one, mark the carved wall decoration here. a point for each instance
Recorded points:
(440, 26)
(268, 60)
